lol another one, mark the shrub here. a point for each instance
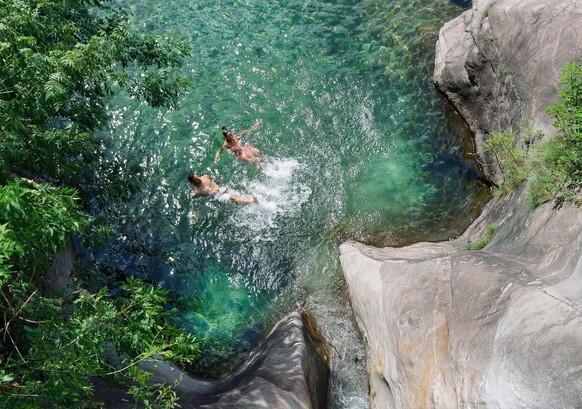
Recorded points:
(51, 347)
(553, 169)
(59, 63)
(510, 151)
(568, 114)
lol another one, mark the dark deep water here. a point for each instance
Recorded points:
(357, 145)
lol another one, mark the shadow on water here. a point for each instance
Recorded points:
(358, 144)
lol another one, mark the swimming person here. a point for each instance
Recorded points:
(247, 152)
(204, 186)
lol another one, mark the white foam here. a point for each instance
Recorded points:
(280, 168)
(279, 193)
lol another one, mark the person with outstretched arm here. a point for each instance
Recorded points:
(247, 152)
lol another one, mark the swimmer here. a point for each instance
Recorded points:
(247, 152)
(204, 186)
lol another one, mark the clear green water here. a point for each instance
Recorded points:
(358, 144)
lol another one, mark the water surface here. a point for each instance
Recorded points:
(357, 145)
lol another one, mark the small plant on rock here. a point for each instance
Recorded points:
(485, 239)
(511, 153)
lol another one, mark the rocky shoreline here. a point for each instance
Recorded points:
(450, 328)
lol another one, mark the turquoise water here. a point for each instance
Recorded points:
(357, 144)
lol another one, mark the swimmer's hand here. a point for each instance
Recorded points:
(255, 200)
(256, 125)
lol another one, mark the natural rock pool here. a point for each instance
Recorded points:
(357, 145)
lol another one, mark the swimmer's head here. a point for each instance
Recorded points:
(225, 131)
(195, 179)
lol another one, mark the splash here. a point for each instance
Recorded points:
(280, 195)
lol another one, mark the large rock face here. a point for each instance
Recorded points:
(499, 63)
(289, 370)
(498, 328)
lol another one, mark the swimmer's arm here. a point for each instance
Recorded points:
(242, 201)
(252, 128)
(218, 153)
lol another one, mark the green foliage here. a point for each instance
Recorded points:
(568, 114)
(483, 241)
(59, 62)
(556, 165)
(7, 248)
(536, 164)
(511, 151)
(62, 345)
(552, 168)
(543, 182)
(51, 347)
(36, 221)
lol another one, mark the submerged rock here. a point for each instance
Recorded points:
(498, 328)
